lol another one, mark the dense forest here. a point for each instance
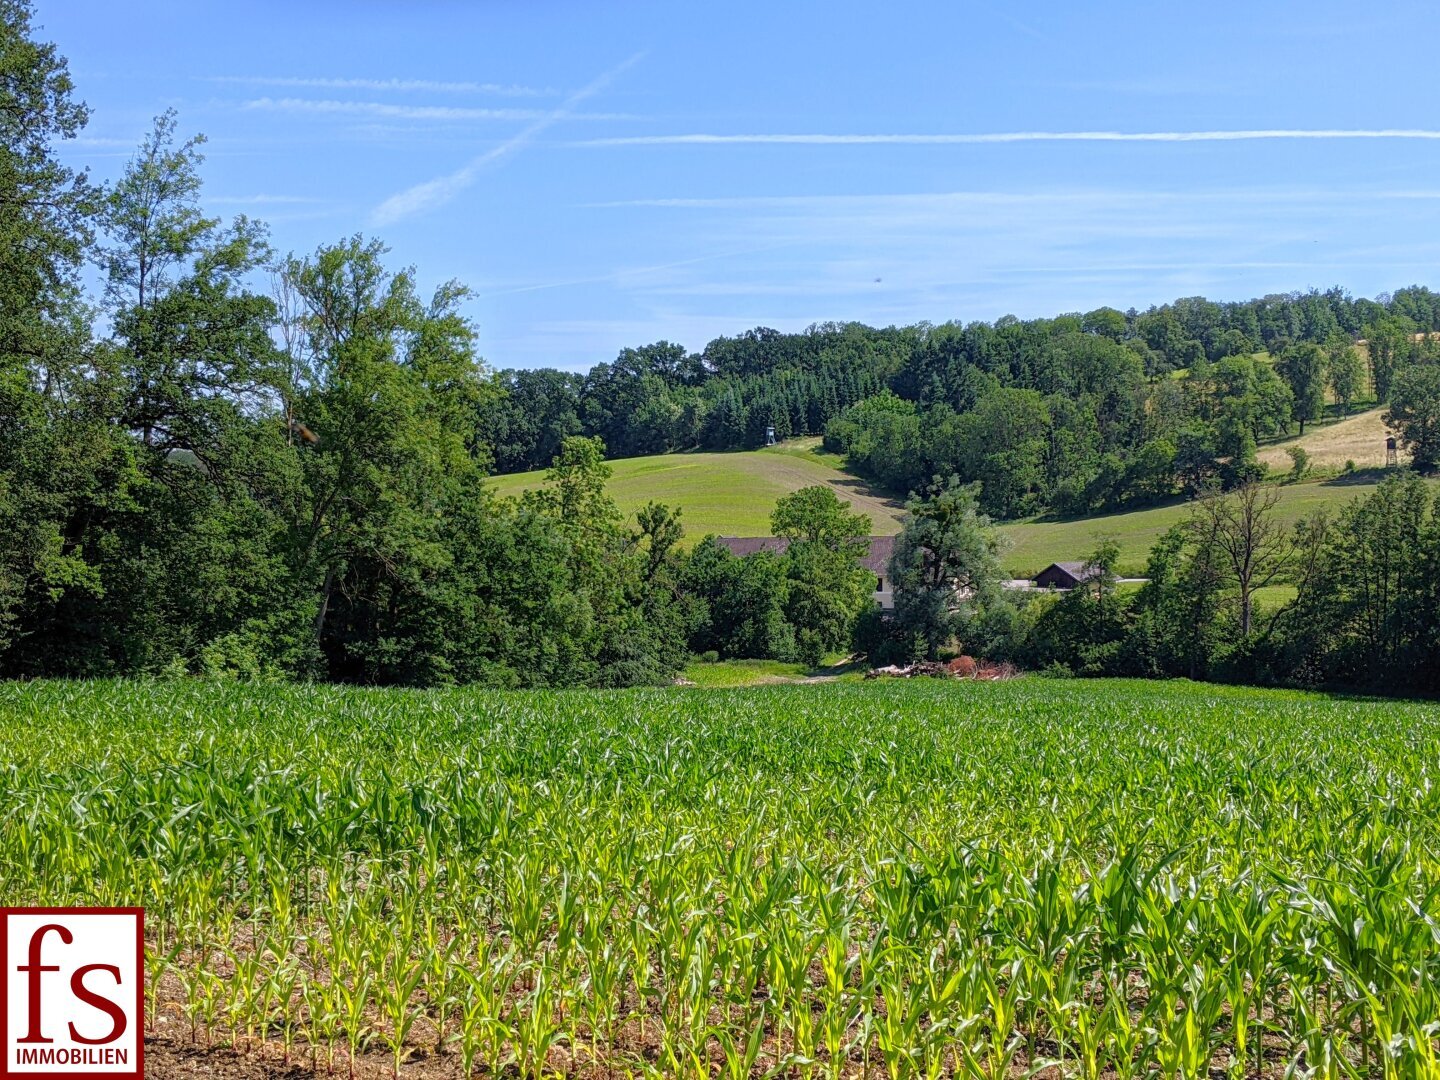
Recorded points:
(1073, 414)
(235, 462)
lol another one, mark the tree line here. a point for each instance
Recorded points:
(1361, 606)
(235, 461)
(1076, 414)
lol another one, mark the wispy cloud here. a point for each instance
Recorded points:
(102, 141)
(385, 110)
(929, 199)
(399, 85)
(1241, 135)
(442, 189)
(961, 199)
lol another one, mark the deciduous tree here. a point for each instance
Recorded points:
(1303, 368)
(1414, 413)
(1255, 547)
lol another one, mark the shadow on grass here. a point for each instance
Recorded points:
(1071, 519)
(1366, 477)
(861, 487)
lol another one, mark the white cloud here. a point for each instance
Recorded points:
(980, 199)
(437, 192)
(982, 138)
(324, 106)
(102, 141)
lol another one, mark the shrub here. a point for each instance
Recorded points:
(1299, 462)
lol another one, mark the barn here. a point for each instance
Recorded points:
(1063, 575)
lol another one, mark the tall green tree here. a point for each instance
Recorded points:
(828, 588)
(195, 339)
(1303, 368)
(738, 604)
(63, 462)
(1345, 371)
(382, 388)
(45, 207)
(945, 570)
(194, 554)
(1414, 413)
(1387, 341)
(1177, 627)
(816, 515)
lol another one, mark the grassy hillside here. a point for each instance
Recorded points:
(1359, 438)
(731, 493)
(1036, 544)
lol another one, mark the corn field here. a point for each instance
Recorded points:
(1091, 879)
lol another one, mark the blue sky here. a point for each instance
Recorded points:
(605, 175)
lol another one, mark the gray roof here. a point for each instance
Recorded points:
(1075, 570)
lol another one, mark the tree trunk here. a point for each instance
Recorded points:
(324, 606)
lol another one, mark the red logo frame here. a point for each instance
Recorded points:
(138, 1073)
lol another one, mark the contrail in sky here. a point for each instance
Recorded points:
(442, 189)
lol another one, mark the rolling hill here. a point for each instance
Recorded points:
(733, 493)
(1035, 544)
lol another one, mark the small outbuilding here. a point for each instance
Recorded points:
(1063, 575)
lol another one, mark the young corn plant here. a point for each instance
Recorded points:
(396, 995)
(354, 1004)
(483, 1032)
(534, 1029)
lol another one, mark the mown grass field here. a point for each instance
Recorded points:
(1035, 544)
(729, 674)
(730, 494)
(880, 880)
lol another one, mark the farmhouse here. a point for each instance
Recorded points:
(876, 558)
